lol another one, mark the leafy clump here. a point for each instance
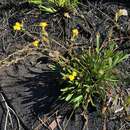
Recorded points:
(52, 6)
(89, 73)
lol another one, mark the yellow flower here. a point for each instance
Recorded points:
(66, 14)
(35, 43)
(43, 25)
(121, 12)
(74, 73)
(75, 32)
(71, 77)
(18, 26)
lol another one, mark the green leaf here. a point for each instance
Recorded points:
(123, 58)
(66, 89)
(110, 61)
(47, 9)
(111, 80)
(78, 99)
(51, 6)
(68, 97)
(97, 42)
(35, 1)
(76, 105)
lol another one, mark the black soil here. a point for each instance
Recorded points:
(29, 87)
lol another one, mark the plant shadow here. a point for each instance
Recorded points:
(32, 96)
(42, 92)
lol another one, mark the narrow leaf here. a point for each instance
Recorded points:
(68, 97)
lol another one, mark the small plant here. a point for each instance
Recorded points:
(17, 26)
(75, 33)
(89, 73)
(52, 6)
(35, 43)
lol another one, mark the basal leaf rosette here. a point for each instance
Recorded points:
(89, 73)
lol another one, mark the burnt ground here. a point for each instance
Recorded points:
(28, 86)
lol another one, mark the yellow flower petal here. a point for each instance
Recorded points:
(74, 73)
(66, 14)
(75, 33)
(18, 26)
(43, 25)
(121, 12)
(71, 77)
(35, 43)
